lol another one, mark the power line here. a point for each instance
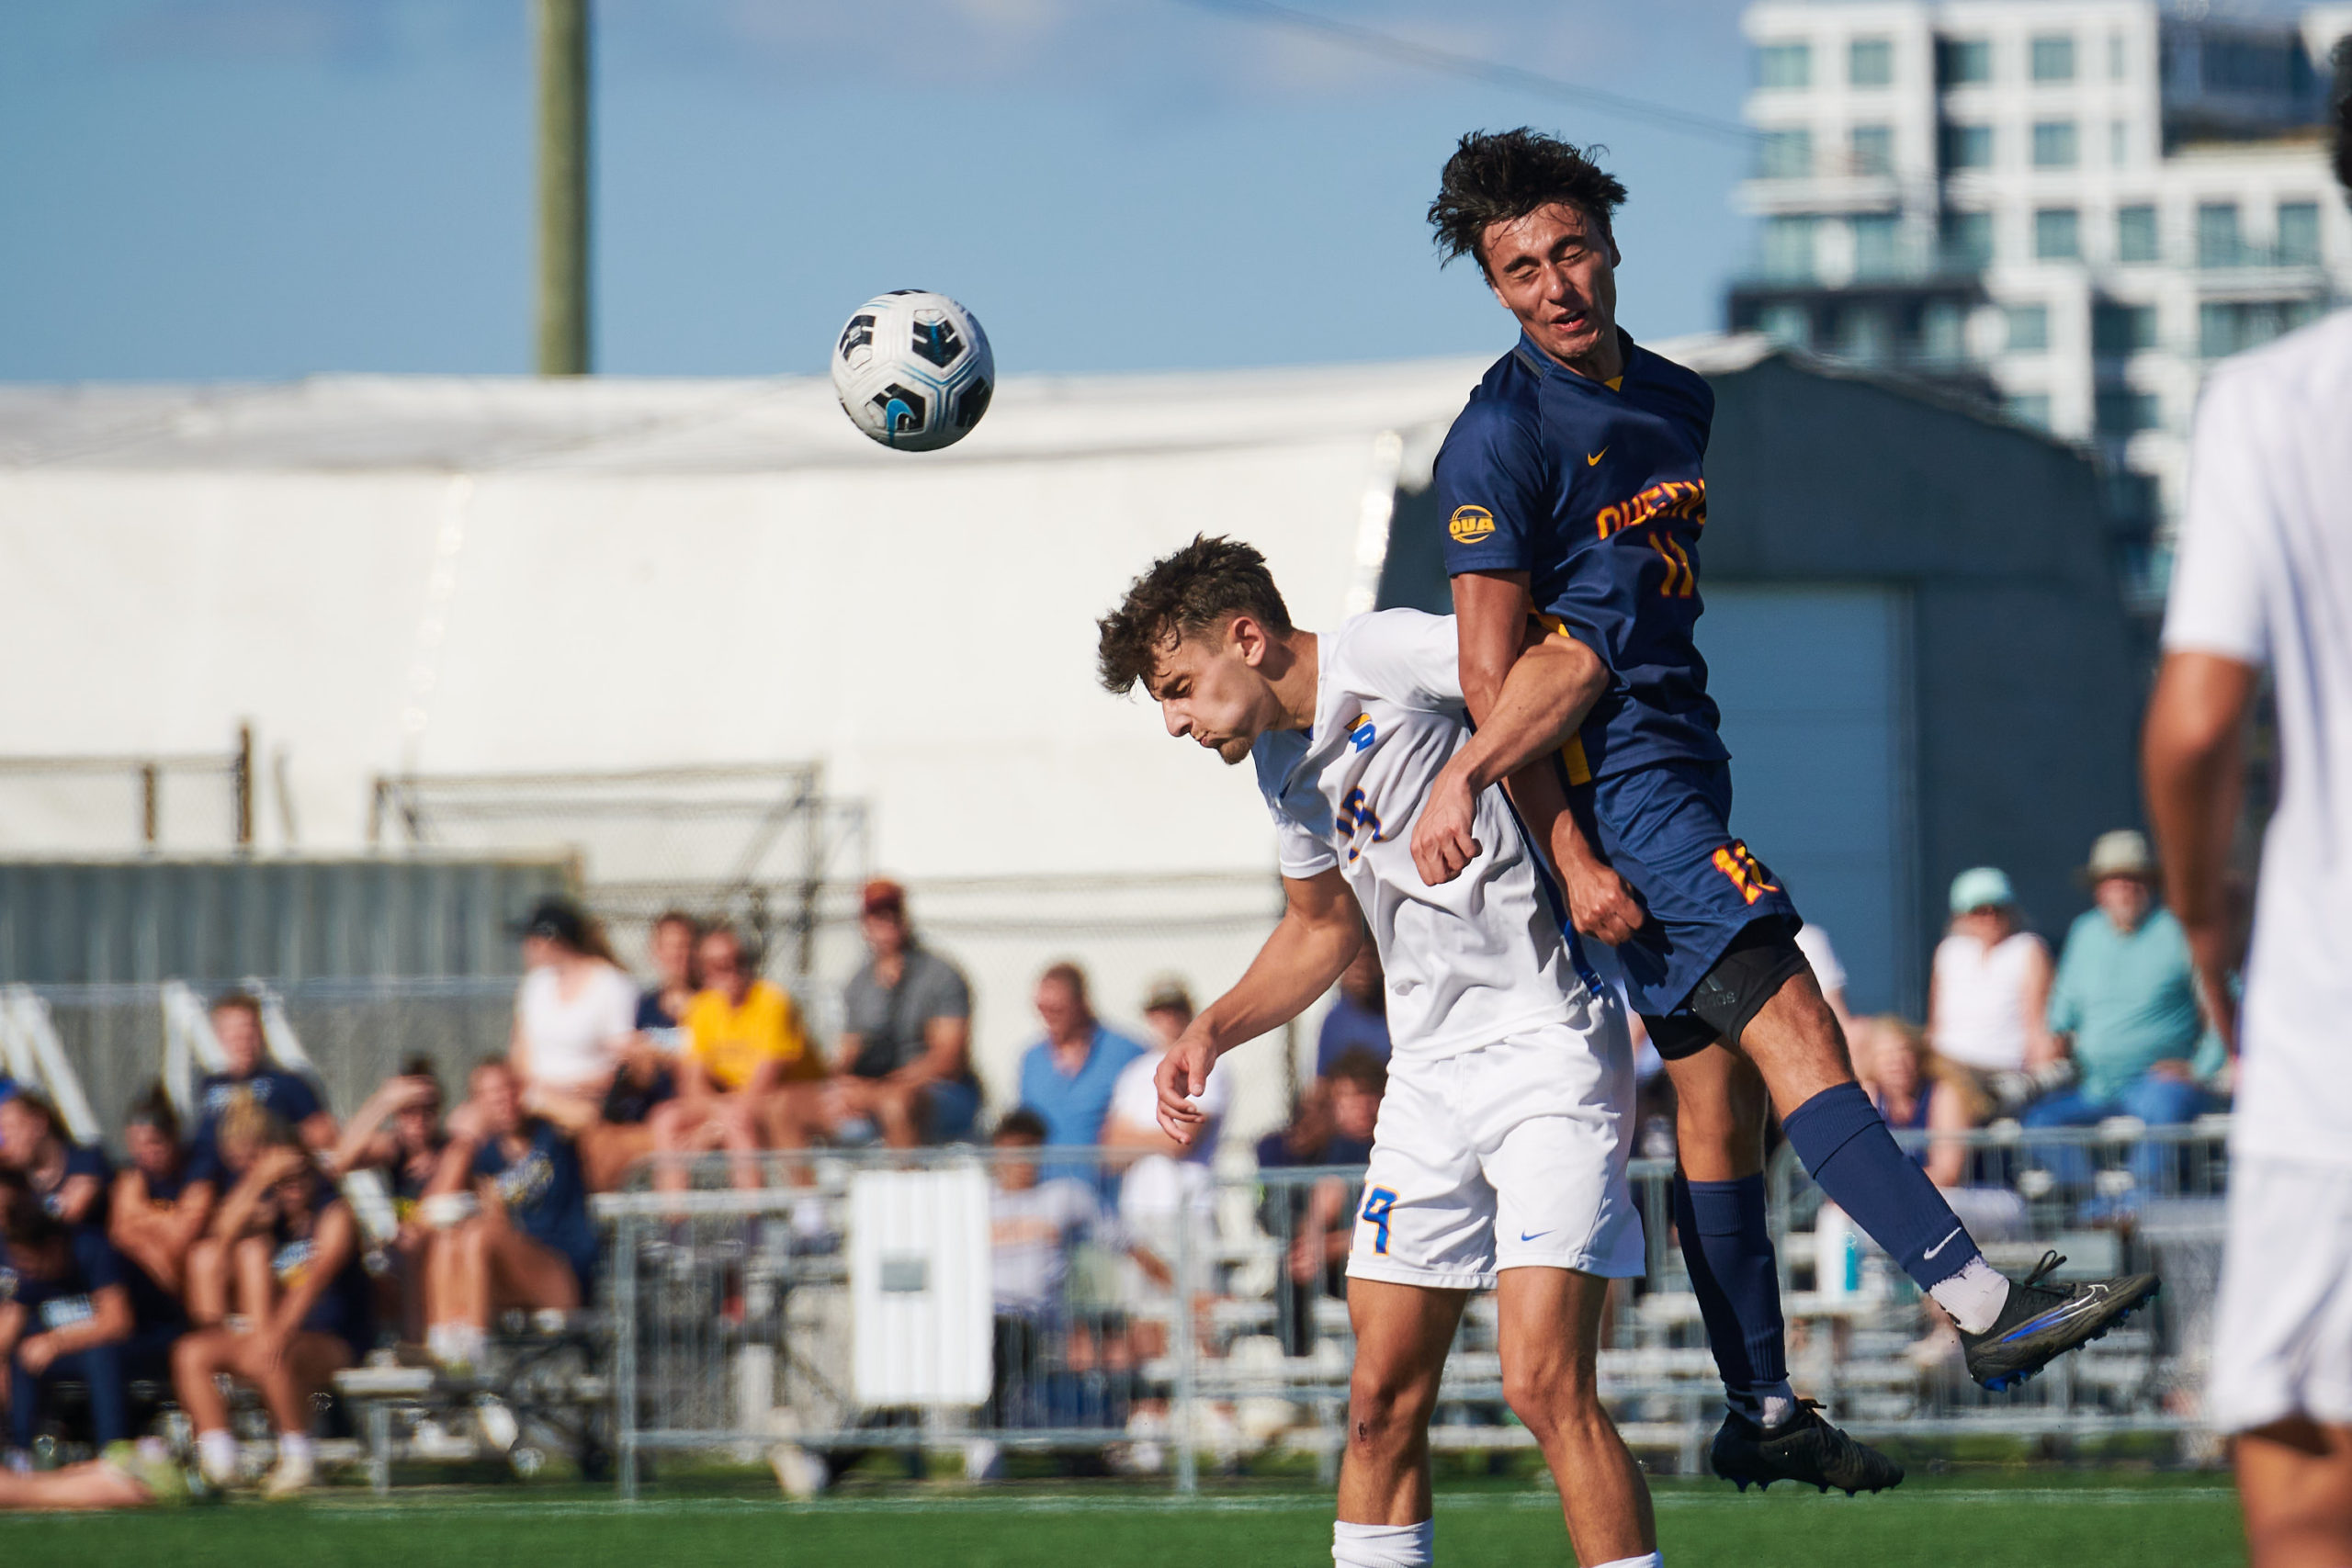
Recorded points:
(1428, 57)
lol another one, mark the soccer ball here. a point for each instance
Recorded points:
(913, 370)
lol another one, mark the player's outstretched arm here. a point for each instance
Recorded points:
(2193, 762)
(1493, 621)
(1316, 938)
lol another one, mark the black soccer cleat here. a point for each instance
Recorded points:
(2038, 1324)
(1805, 1448)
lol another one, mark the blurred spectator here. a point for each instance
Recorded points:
(295, 1250)
(1068, 1078)
(647, 1073)
(1989, 991)
(1828, 973)
(1166, 1184)
(904, 1064)
(1901, 1073)
(146, 1220)
(398, 1133)
(749, 1075)
(1315, 1221)
(1359, 1016)
(575, 1016)
(69, 1179)
(1035, 1225)
(672, 947)
(65, 1312)
(2125, 1001)
(250, 1075)
(529, 1242)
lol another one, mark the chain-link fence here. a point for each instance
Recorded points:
(987, 1302)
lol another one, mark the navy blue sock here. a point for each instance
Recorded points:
(1843, 1141)
(1728, 1248)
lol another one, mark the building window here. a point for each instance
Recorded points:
(2218, 243)
(1943, 332)
(1873, 149)
(2299, 233)
(2119, 330)
(2119, 411)
(1865, 335)
(2057, 234)
(1784, 67)
(1869, 62)
(1968, 146)
(2135, 234)
(2029, 408)
(2053, 57)
(2117, 66)
(1788, 247)
(1874, 244)
(2029, 328)
(2119, 143)
(2226, 327)
(1963, 61)
(1966, 241)
(2053, 144)
(1784, 156)
(1785, 324)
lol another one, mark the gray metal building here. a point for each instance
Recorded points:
(1916, 630)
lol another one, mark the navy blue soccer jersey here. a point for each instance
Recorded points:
(1595, 490)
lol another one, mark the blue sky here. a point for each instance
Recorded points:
(202, 189)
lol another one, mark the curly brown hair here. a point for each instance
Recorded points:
(1201, 585)
(1499, 177)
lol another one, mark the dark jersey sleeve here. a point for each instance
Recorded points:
(95, 1259)
(292, 1097)
(1490, 482)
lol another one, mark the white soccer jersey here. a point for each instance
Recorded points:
(2263, 575)
(1468, 962)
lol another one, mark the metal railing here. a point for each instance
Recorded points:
(1150, 1341)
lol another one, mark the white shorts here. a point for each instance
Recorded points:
(2283, 1332)
(1508, 1156)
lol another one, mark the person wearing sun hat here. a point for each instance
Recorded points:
(1988, 991)
(2125, 1001)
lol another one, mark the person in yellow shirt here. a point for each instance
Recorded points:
(749, 1076)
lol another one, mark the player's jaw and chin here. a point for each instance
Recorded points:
(1560, 284)
(1215, 697)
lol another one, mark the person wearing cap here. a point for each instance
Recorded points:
(903, 1066)
(1167, 1183)
(2125, 1001)
(575, 1020)
(1989, 989)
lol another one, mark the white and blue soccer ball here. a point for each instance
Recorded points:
(913, 370)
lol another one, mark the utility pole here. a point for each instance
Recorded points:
(562, 38)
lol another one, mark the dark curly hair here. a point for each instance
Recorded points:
(2342, 106)
(1499, 177)
(1200, 585)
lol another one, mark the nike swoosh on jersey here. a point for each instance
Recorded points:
(1530, 1235)
(1593, 460)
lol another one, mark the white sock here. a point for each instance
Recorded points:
(1654, 1560)
(294, 1449)
(1383, 1546)
(1974, 1296)
(216, 1455)
(1776, 1404)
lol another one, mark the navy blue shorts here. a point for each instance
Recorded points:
(1665, 829)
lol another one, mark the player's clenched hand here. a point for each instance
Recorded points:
(1443, 840)
(1183, 1074)
(1600, 903)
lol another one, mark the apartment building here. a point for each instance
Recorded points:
(2067, 208)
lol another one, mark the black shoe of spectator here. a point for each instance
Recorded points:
(1805, 1448)
(2038, 1324)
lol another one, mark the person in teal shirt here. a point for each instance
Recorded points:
(2125, 1001)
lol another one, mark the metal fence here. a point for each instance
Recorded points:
(1009, 1302)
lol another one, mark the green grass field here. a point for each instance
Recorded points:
(2086, 1521)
